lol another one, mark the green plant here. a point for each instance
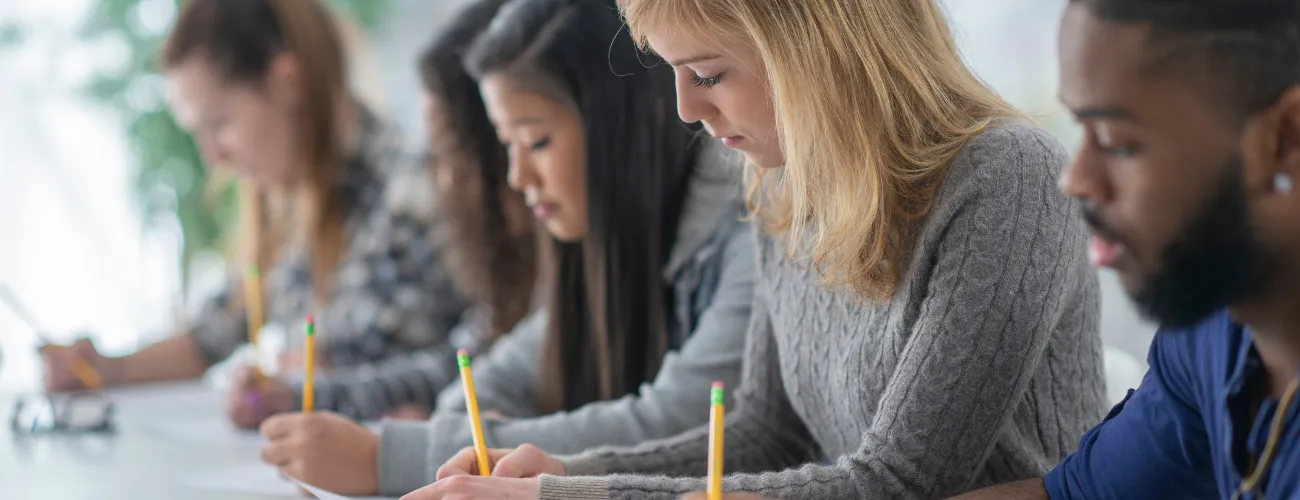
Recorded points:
(171, 180)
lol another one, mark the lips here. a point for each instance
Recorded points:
(730, 141)
(543, 210)
(1104, 253)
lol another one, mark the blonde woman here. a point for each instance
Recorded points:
(925, 321)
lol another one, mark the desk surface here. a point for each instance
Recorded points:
(139, 461)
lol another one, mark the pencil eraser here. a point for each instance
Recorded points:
(717, 385)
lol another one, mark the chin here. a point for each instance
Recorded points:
(1132, 284)
(563, 232)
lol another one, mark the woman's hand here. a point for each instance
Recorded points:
(477, 488)
(61, 363)
(523, 462)
(325, 450)
(253, 397)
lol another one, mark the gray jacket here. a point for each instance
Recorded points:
(711, 268)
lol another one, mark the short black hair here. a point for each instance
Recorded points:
(1247, 51)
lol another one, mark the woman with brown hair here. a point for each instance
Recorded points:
(333, 211)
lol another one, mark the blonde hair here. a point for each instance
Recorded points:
(872, 103)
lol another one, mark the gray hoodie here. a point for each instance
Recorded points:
(711, 269)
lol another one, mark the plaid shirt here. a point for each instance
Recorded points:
(386, 330)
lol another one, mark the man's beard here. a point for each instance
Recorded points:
(1215, 262)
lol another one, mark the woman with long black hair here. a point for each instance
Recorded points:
(647, 274)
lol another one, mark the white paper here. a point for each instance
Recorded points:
(213, 431)
(260, 479)
(325, 495)
(252, 479)
(165, 396)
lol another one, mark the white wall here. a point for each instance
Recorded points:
(71, 242)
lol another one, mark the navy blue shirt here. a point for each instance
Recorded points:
(1177, 434)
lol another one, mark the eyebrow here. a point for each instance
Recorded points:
(695, 59)
(527, 120)
(1104, 113)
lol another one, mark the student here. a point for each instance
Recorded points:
(487, 239)
(491, 238)
(650, 266)
(1188, 172)
(331, 212)
(925, 319)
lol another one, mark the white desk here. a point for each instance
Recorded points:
(142, 460)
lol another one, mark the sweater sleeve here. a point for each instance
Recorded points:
(983, 326)
(675, 401)
(762, 433)
(364, 392)
(503, 382)
(219, 328)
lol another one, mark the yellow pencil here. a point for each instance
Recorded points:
(308, 365)
(253, 310)
(480, 447)
(86, 373)
(717, 421)
(82, 369)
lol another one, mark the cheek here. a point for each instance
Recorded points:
(749, 104)
(276, 139)
(568, 173)
(251, 133)
(1150, 214)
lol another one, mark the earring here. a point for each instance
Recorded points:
(1282, 184)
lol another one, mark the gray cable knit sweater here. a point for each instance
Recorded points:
(984, 367)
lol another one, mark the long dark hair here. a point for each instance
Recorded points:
(239, 40)
(491, 262)
(609, 306)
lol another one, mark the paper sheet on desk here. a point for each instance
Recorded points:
(259, 479)
(209, 430)
(325, 495)
(165, 397)
(253, 479)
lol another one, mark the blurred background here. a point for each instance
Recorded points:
(109, 224)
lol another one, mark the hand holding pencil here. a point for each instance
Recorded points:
(74, 367)
(67, 368)
(524, 461)
(254, 397)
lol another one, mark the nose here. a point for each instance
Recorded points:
(521, 173)
(1086, 178)
(692, 106)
